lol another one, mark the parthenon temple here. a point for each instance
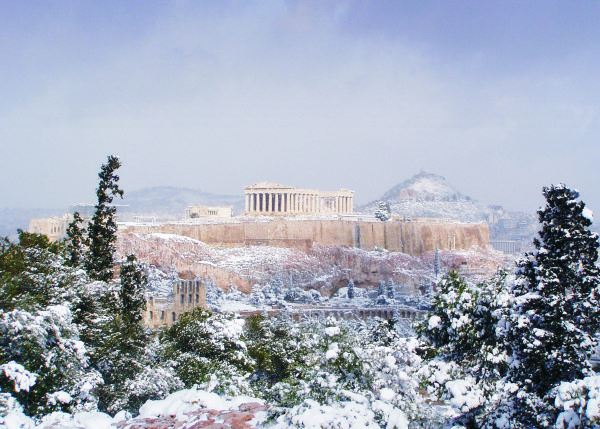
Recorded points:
(273, 199)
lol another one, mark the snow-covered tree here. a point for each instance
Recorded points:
(33, 274)
(467, 329)
(76, 240)
(121, 350)
(557, 313)
(208, 350)
(103, 226)
(390, 289)
(383, 212)
(131, 293)
(44, 364)
(214, 294)
(350, 289)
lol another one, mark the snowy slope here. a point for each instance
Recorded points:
(424, 186)
(430, 195)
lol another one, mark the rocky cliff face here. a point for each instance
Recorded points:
(325, 268)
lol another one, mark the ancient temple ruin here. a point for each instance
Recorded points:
(273, 199)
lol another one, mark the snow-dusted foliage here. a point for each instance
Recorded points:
(155, 379)
(468, 322)
(35, 277)
(326, 373)
(383, 212)
(468, 327)
(47, 365)
(557, 308)
(522, 345)
(578, 402)
(350, 290)
(207, 350)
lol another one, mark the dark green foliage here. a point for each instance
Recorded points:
(118, 359)
(467, 323)
(111, 318)
(273, 347)
(76, 241)
(102, 229)
(557, 289)
(32, 275)
(205, 344)
(120, 350)
(131, 294)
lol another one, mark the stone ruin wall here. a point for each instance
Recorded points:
(412, 238)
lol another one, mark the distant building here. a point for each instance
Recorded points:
(274, 199)
(506, 246)
(187, 295)
(198, 211)
(55, 228)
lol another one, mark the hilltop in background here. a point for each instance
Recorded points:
(430, 195)
(423, 195)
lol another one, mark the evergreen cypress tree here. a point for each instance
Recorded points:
(381, 289)
(103, 226)
(557, 291)
(131, 294)
(76, 240)
(125, 340)
(351, 289)
(390, 289)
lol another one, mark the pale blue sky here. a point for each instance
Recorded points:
(501, 98)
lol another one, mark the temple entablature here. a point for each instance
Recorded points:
(274, 199)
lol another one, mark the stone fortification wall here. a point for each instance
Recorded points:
(413, 238)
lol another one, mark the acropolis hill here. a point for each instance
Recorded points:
(283, 216)
(314, 227)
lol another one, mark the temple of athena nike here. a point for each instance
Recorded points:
(273, 199)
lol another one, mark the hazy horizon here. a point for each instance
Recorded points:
(500, 98)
